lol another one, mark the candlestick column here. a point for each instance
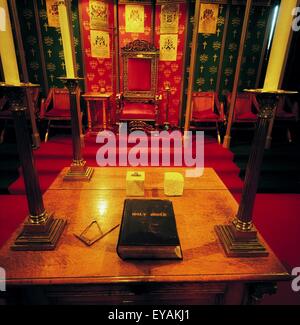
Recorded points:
(41, 230)
(78, 169)
(239, 239)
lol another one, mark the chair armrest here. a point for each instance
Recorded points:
(222, 113)
(42, 108)
(45, 103)
(217, 103)
(255, 103)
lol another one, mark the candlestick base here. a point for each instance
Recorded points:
(78, 171)
(41, 236)
(240, 243)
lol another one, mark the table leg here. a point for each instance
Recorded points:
(89, 116)
(104, 114)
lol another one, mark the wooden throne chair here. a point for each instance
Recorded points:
(207, 112)
(138, 103)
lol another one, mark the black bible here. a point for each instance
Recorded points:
(148, 231)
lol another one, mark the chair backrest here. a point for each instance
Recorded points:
(243, 103)
(140, 63)
(61, 99)
(203, 102)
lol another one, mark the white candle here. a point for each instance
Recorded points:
(7, 47)
(280, 45)
(66, 38)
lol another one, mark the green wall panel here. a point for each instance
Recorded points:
(52, 44)
(208, 56)
(253, 47)
(209, 48)
(235, 24)
(30, 42)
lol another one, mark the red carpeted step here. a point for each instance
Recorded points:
(56, 154)
(13, 212)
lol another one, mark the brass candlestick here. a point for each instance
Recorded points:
(78, 169)
(239, 239)
(41, 230)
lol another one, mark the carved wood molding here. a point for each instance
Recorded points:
(139, 46)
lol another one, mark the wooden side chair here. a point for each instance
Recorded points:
(207, 112)
(56, 109)
(245, 109)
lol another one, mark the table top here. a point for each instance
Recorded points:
(197, 212)
(107, 179)
(97, 96)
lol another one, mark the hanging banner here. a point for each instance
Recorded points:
(169, 18)
(168, 47)
(100, 44)
(98, 14)
(208, 18)
(134, 19)
(52, 13)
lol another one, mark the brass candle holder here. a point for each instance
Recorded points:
(41, 230)
(239, 239)
(78, 169)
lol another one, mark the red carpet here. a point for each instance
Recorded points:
(276, 215)
(56, 154)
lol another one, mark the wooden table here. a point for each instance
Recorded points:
(92, 99)
(74, 273)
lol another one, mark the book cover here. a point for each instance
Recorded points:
(148, 230)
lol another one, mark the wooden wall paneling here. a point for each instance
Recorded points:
(117, 48)
(184, 60)
(154, 19)
(188, 48)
